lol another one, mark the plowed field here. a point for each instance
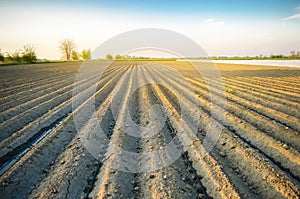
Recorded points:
(43, 155)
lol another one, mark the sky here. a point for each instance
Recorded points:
(221, 28)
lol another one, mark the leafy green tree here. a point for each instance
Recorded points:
(109, 56)
(66, 46)
(86, 54)
(118, 57)
(28, 54)
(75, 55)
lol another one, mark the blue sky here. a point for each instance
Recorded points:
(221, 27)
(195, 6)
(254, 8)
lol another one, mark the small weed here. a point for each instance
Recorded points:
(229, 90)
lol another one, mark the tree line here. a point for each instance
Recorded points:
(124, 57)
(26, 54)
(68, 49)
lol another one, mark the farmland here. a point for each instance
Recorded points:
(42, 155)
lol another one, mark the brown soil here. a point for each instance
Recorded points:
(257, 155)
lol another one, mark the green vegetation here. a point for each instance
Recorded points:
(69, 53)
(230, 90)
(25, 55)
(109, 57)
(28, 54)
(42, 61)
(86, 54)
(118, 57)
(74, 55)
(1, 56)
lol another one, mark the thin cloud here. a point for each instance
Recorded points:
(295, 16)
(212, 21)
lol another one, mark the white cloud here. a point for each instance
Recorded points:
(295, 16)
(212, 21)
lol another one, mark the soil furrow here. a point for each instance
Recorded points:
(39, 99)
(273, 85)
(38, 111)
(24, 138)
(214, 179)
(289, 158)
(282, 118)
(277, 187)
(34, 165)
(32, 84)
(278, 82)
(272, 91)
(179, 135)
(261, 94)
(113, 183)
(286, 99)
(267, 102)
(77, 157)
(177, 175)
(23, 98)
(10, 126)
(257, 120)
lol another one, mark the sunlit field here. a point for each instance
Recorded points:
(255, 156)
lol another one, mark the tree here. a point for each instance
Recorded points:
(66, 46)
(15, 57)
(1, 56)
(86, 54)
(109, 56)
(28, 54)
(75, 55)
(118, 57)
(8, 57)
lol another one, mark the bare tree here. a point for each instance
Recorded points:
(67, 46)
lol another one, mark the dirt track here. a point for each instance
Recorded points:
(257, 154)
